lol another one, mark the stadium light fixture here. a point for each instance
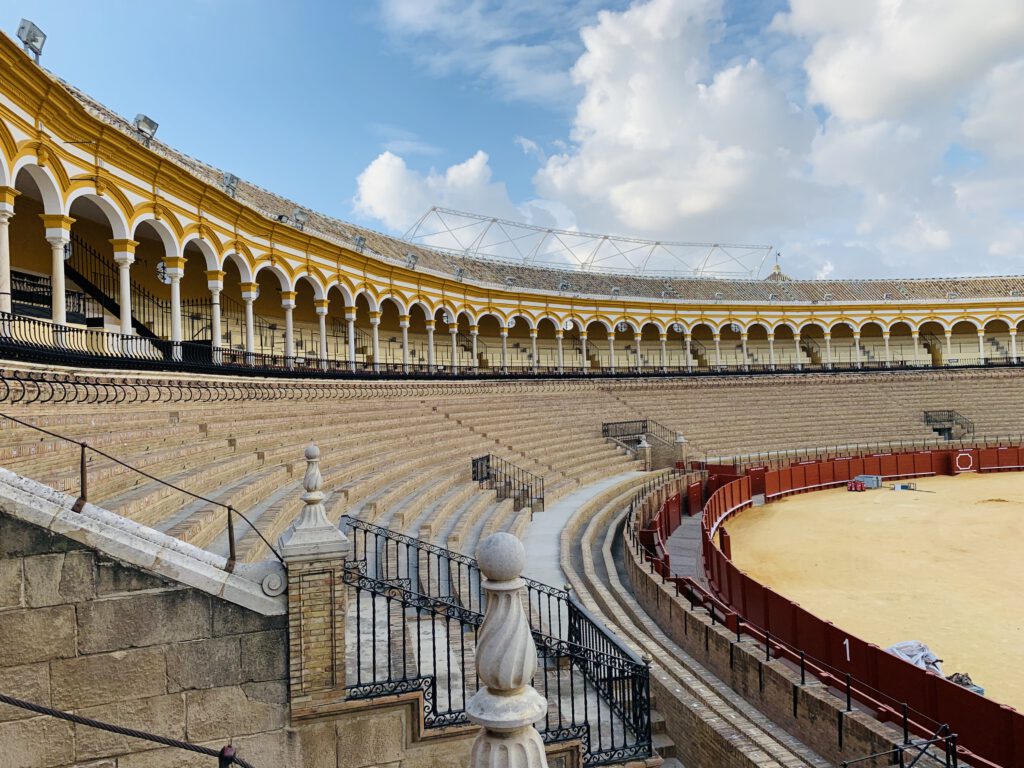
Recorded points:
(32, 37)
(510, 280)
(827, 297)
(230, 182)
(360, 242)
(300, 218)
(146, 126)
(564, 286)
(460, 272)
(616, 290)
(411, 259)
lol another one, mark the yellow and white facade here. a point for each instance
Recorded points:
(329, 291)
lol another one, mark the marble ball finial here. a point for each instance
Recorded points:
(312, 452)
(501, 557)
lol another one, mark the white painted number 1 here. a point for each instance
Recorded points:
(846, 644)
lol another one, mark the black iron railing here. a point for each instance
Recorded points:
(416, 610)
(938, 418)
(510, 482)
(627, 431)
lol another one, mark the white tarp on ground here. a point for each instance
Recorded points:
(918, 654)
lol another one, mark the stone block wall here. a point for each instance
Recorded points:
(81, 632)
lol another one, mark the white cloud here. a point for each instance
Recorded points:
(994, 121)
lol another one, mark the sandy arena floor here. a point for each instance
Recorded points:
(945, 568)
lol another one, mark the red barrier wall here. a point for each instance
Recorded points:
(987, 730)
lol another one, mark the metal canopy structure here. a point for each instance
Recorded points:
(472, 235)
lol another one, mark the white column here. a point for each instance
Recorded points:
(638, 359)
(215, 328)
(474, 332)
(949, 346)
(611, 350)
(504, 350)
(687, 351)
(1013, 345)
(506, 705)
(124, 297)
(796, 345)
(583, 349)
(58, 309)
(403, 323)
(559, 335)
(771, 350)
(915, 337)
(856, 347)
(288, 305)
(718, 350)
(743, 342)
(5, 260)
(888, 351)
(321, 316)
(175, 274)
(350, 332)
(430, 345)
(663, 338)
(828, 348)
(375, 339)
(533, 348)
(981, 345)
(453, 332)
(249, 296)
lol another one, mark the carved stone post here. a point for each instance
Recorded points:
(643, 452)
(315, 551)
(506, 706)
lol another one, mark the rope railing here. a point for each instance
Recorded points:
(226, 755)
(83, 481)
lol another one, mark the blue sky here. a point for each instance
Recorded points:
(873, 138)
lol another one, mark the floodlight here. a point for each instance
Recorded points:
(146, 126)
(564, 285)
(300, 218)
(230, 182)
(952, 295)
(886, 296)
(719, 295)
(772, 296)
(281, 217)
(32, 37)
(827, 297)
(666, 294)
(510, 280)
(615, 290)
(411, 259)
(359, 241)
(459, 272)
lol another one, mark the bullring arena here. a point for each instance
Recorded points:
(250, 458)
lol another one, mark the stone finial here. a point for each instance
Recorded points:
(507, 705)
(643, 442)
(312, 536)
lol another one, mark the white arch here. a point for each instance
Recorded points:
(209, 254)
(371, 300)
(396, 300)
(244, 271)
(340, 287)
(115, 216)
(276, 271)
(45, 181)
(319, 294)
(516, 316)
(600, 321)
(170, 242)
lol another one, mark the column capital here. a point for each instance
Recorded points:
(1013, 331)
(504, 332)
(914, 333)
(124, 245)
(174, 262)
(57, 225)
(533, 333)
(288, 299)
(948, 332)
(250, 291)
(981, 331)
(885, 334)
(7, 195)
(559, 334)
(350, 314)
(662, 336)
(321, 305)
(215, 279)
(375, 316)
(771, 336)
(403, 319)
(474, 329)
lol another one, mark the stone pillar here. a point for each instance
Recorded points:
(981, 345)
(771, 350)
(175, 271)
(828, 348)
(663, 338)
(611, 350)
(888, 352)
(559, 335)
(680, 448)
(638, 358)
(583, 347)
(315, 552)
(687, 352)
(743, 342)
(321, 305)
(1013, 345)
(215, 282)
(915, 337)
(58, 235)
(474, 332)
(453, 331)
(288, 305)
(796, 349)
(949, 345)
(533, 348)
(350, 335)
(856, 347)
(506, 706)
(504, 350)
(430, 345)
(7, 195)
(403, 323)
(375, 339)
(124, 255)
(643, 453)
(718, 350)
(249, 293)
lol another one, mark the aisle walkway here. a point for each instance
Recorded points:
(684, 552)
(544, 532)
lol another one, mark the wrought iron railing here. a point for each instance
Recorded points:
(625, 431)
(510, 482)
(937, 418)
(416, 610)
